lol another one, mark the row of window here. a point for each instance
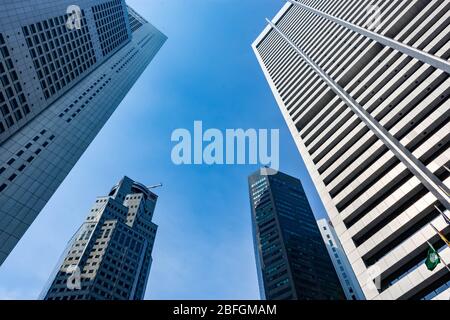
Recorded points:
(127, 61)
(124, 57)
(13, 104)
(87, 101)
(111, 26)
(59, 54)
(30, 156)
(134, 23)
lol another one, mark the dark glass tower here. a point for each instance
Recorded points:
(291, 257)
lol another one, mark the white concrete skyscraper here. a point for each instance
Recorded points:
(364, 88)
(63, 70)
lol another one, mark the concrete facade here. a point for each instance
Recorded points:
(110, 256)
(369, 114)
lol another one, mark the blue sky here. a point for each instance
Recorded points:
(206, 71)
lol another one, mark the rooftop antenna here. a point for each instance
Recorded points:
(155, 186)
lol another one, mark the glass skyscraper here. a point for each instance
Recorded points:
(292, 260)
(63, 71)
(110, 256)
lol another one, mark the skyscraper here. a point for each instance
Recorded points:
(343, 269)
(292, 261)
(62, 76)
(364, 88)
(110, 256)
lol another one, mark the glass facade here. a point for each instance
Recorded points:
(293, 262)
